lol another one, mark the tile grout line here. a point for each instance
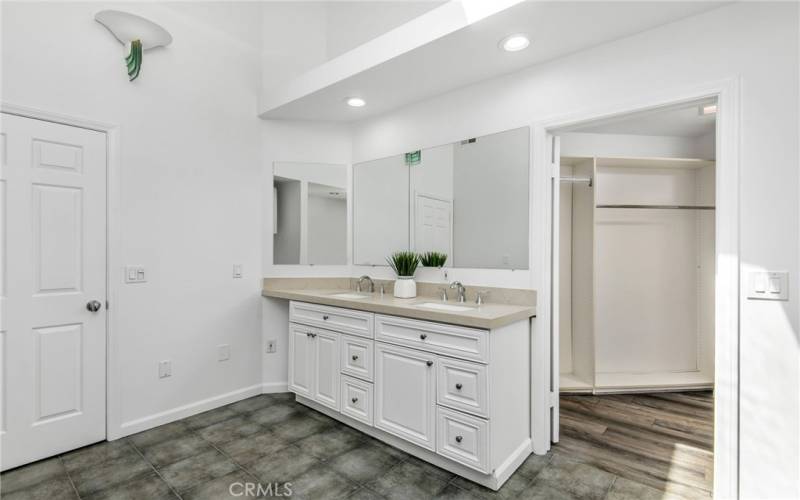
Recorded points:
(136, 449)
(69, 477)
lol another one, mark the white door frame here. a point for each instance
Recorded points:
(113, 245)
(726, 338)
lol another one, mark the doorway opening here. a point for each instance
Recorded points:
(634, 312)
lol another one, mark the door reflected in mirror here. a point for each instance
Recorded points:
(309, 213)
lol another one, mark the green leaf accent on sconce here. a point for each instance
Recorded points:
(134, 60)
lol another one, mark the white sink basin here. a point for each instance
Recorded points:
(350, 295)
(439, 306)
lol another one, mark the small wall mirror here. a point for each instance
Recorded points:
(469, 200)
(309, 213)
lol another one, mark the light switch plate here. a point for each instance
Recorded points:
(135, 274)
(768, 285)
(164, 369)
(223, 352)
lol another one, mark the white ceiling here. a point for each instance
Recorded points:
(678, 121)
(471, 54)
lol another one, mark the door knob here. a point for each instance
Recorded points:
(93, 305)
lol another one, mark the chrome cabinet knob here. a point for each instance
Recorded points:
(429, 363)
(93, 305)
(423, 336)
(355, 357)
(325, 317)
(459, 386)
(459, 439)
(354, 400)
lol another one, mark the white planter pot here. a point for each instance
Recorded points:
(405, 288)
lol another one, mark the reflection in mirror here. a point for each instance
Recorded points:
(490, 188)
(468, 200)
(380, 209)
(309, 213)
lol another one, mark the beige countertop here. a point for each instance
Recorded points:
(488, 315)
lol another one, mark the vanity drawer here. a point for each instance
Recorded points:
(357, 399)
(463, 438)
(357, 359)
(332, 318)
(456, 341)
(463, 386)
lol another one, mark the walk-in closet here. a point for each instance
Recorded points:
(636, 254)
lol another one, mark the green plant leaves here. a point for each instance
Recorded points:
(404, 263)
(433, 259)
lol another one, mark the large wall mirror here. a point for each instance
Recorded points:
(467, 199)
(309, 213)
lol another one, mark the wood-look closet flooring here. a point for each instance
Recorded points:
(662, 440)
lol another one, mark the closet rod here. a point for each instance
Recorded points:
(577, 179)
(662, 207)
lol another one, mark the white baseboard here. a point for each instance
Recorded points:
(171, 415)
(273, 387)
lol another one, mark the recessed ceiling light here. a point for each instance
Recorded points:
(355, 102)
(513, 43)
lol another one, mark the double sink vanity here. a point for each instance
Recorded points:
(446, 381)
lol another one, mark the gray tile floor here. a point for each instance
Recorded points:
(271, 439)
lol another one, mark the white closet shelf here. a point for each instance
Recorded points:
(662, 207)
(653, 162)
(649, 382)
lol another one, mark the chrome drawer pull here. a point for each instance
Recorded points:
(354, 400)
(458, 439)
(459, 386)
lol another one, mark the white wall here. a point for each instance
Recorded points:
(189, 185)
(756, 42)
(305, 142)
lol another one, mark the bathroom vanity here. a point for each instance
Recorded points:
(447, 384)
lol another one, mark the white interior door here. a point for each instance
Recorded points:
(53, 272)
(433, 225)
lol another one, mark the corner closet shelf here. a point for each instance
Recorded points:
(662, 207)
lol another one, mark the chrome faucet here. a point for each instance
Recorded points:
(460, 290)
(368, 279)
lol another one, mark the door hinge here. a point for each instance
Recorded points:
(553, 399)
(108, 304)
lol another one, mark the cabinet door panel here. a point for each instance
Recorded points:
(405, 400)
(326, 364)
(301, 358)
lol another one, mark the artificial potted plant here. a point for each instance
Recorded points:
(404, 264)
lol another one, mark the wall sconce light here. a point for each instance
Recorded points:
(136, 33)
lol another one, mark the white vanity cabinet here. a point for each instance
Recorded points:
(314, 364)
(455, 396)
